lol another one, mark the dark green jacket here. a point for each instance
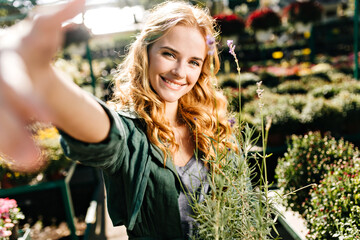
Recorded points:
(142, 194)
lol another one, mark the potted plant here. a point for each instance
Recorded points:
(334, 211)
(262, 22)
(10, 215)
(302, 14)
(305, 162)
(230, 24)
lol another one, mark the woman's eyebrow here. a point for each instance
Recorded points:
(177, 52)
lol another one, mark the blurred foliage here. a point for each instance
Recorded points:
(12, 11)
(305, 162)
(56, 166)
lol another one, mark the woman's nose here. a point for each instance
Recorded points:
(179, 70)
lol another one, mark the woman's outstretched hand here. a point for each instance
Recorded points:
(26, 51)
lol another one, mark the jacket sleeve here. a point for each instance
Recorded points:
(108, 154)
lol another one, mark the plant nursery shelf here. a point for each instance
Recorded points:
(294, 224)
(62, 184)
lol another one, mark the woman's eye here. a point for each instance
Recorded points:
(195, 63)
(168, 54)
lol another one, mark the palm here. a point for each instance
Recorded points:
(23, 64)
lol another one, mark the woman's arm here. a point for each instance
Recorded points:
(32, 88)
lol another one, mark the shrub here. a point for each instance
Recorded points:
(285, 119)
(305, 162)
(229, 82)
(326, 91)
(323, 68)
(352, 86)
(296, 101)
(349, 103)
(292, 87)
(248, 79)
(338, 77)
(313, 81)
(334, 211)
(269, 80)
(321, 114)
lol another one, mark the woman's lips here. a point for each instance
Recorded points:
(172, 83)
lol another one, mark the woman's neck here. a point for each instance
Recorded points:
(171, 113)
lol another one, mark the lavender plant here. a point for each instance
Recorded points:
(235, 209)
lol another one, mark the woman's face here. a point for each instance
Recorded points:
(175, 62)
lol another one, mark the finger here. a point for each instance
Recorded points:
(69, 11)
(16, 146)
(17, 89)
(16, 108)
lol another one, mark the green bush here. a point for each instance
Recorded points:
(321, 114)
(334, 211)
(349, 103)
(312, 81)
(339, 77)
(229, 82)
(292, 87)
(285, 119)
(297, 101)
(269, 80)
(352, 86)
(305, 162)
(232, 95)
(326, 91)
(248, 79)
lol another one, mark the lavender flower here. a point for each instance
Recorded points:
(210, 41)
(268, 123)
(231, 46)
(232, 122)
(260, 92)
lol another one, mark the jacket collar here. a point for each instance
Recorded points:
(129, 113)
(158, 154)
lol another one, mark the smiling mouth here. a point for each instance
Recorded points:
(171, 83)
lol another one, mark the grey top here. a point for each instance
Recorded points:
(194, 181)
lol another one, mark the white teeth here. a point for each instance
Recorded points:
(172, 83)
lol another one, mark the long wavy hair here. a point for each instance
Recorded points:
(203, 109)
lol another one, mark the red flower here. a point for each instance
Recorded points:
(263, 19)
(229, 23)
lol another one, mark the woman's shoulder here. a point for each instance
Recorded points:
(123, 111)
(128, 114)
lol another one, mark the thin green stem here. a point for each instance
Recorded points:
(239, 96)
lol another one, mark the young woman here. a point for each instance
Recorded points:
(153, 142)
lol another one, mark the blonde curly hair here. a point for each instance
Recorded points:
(203, 109)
